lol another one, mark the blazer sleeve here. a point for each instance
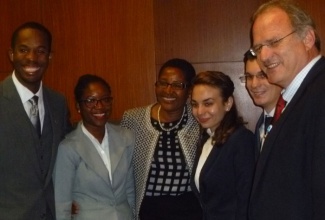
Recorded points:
(63, 177)
(130, 192)
(244, 165)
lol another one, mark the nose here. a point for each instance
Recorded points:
(254, 82)
(31, 55)
(199, 110)
(99, 105)
(265, 53)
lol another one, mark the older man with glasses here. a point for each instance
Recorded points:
(290, 175)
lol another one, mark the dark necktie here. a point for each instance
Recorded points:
(34, 114)
(267, 122)
(279, 108)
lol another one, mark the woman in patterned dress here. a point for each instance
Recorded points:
(166, 138)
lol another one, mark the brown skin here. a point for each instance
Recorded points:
(94, 119)
(172, 101)
(30, 58)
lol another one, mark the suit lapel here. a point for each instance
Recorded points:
(24, 129)
(90, 155)
(271, 139)
(115, 149)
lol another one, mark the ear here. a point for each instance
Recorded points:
(309, 39)
(11, 54)
(229, 103)
(50, 55)
(78, 107)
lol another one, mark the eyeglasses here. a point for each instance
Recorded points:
(91, 103)
(249, 77)
(271, 44)
(175, 85)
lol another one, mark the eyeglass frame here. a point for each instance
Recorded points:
(255, 50)
(92, 103)
(249, 77)
(164, 85)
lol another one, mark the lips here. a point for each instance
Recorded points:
(203, 120)
(169, 99)
(29, 69)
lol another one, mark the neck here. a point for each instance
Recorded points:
(98, 133)
(170, 116)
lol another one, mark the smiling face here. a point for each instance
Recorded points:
(285, 59)
(95, 118)
(30, 57)
(208, 106)
(262, 92)
(171, 99)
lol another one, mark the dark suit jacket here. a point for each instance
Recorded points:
(290, 175)
(226, 177)
(259, 123)
(26, 191)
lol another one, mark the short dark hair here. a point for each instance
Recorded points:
(83, 83)
(185, 66)
(248, 56)
(32, 25)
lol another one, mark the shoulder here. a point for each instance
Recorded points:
(134, 116)
(136, 112)
(53, 95)
(117, 131)
(242, 135)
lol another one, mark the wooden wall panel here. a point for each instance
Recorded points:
(12, 14)
(113, 39)
(213, 35)
(202, 31)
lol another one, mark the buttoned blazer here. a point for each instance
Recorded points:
(23, 191)
(226, 177)
(290, 174)
(146, 137)
(80, 175)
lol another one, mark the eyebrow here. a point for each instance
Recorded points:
(259, 72)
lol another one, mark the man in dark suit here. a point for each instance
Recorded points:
(27, 156)
(289, 181)
(263, 94)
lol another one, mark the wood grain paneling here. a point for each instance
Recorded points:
(202, 31)
(125, 41)
(212, 35)
(12, 14)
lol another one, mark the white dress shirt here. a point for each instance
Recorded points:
(102, 148)
(25, 95)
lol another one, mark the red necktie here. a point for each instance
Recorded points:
(279, 108)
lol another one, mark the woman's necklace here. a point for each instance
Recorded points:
(169, 129)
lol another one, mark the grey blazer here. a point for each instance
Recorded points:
(26, 189)
(139, 120)
(80, 175)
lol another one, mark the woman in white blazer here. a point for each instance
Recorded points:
(93, 168)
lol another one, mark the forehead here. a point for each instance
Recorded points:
(270, 24)
(203, 92)
(172, 74)
(252, 67)
(96, 88)
(31, 37)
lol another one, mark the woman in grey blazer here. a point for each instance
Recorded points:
(93, 168)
